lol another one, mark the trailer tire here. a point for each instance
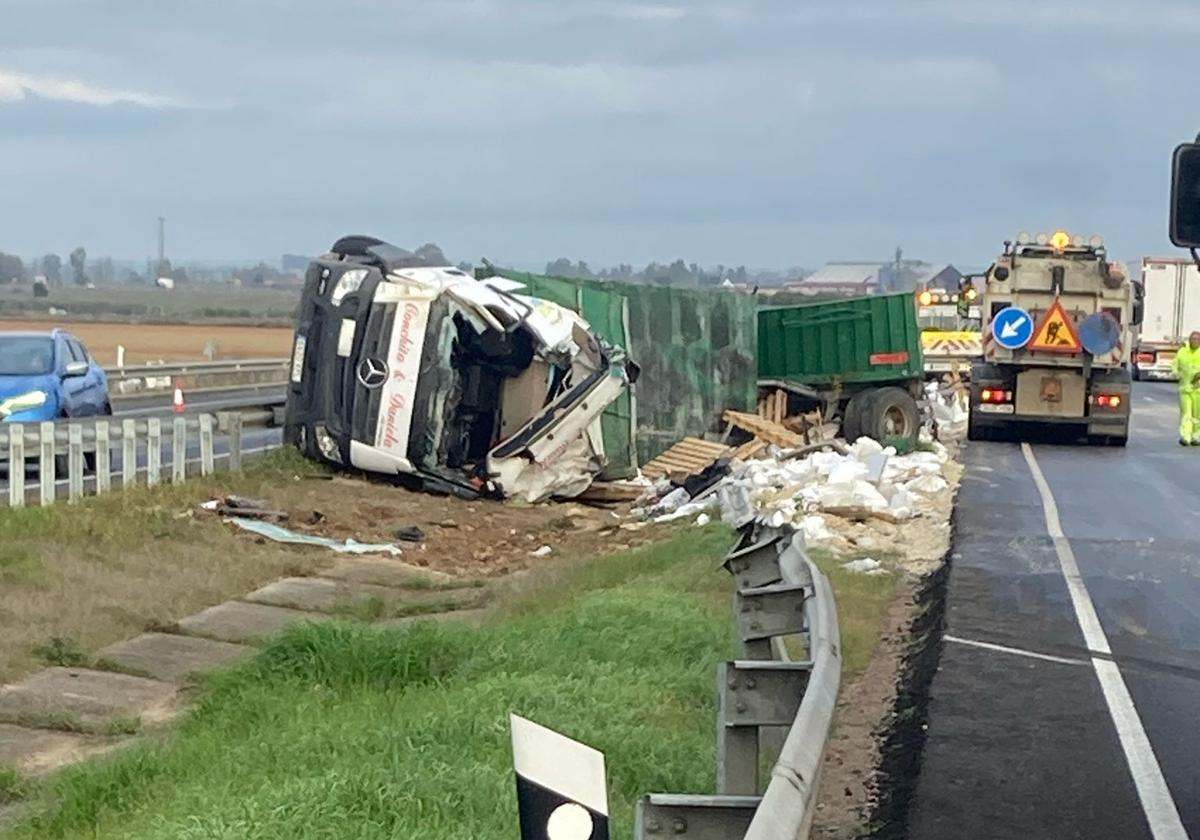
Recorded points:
(891, 414)
(854, 415)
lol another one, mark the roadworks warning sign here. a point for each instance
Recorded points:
(1056, 333)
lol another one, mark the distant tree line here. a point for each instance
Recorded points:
(13, 269)
(678, 273)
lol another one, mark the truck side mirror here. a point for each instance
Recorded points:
(1185, 196)
(1139, 304)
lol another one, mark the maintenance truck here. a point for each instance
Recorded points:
(950, 339)
(1061, 322)
(1172, 291)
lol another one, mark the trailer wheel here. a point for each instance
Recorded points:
(854, 416)
(891, 414)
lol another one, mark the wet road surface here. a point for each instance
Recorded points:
(1033, 731)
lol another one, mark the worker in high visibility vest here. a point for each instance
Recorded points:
(1187, 368)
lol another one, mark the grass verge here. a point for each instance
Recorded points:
(13, 785)
(343, 730)
(75, 578)
(862, 605)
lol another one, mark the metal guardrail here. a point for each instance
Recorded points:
(82, 452)
(185, 368)
(782, 596)
(134, 380)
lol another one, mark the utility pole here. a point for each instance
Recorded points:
(162, 245)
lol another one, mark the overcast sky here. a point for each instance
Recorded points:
(770, 133)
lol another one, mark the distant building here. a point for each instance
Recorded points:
(852, 279)
(867, 278)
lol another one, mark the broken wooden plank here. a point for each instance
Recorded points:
(765, 429)
(748, 450)
(858, 513)
(611, 492)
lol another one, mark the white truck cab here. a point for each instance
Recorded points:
(455, 384)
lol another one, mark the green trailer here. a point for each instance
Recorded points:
(857, 358)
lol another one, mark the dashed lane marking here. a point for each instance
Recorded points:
(1155, 796)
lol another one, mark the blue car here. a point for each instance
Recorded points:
(49, 376)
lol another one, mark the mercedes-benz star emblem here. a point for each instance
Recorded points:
(372, 372)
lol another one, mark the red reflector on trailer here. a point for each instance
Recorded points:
(889, 358)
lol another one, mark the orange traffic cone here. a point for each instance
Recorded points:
(177, 402)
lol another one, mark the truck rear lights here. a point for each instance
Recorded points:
(1145, 358)
(995, 396)
(1109, 400)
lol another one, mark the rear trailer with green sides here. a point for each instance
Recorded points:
(857, 358)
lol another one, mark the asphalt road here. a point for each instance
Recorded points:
(159, 402)
(1035, 729)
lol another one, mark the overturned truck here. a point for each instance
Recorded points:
(448, 383)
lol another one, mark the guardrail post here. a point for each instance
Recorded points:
(766, 612)
(153, 451)
(752, 697)
(128, 453)
(74, 462)
(693, 816)
(206, 444)
(16, 465)
(46, 475)
(179, 450)
(235, 440)
(737, 746)
(103, 458)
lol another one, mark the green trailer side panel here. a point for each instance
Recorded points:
(695, 347)
(833, 342)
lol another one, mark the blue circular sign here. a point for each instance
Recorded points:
(1099, 333)
(1012, 328)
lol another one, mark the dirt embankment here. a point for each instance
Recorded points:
(875, 748)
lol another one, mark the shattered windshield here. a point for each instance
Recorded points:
(26, 355)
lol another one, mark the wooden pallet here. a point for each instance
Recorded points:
(688, 457)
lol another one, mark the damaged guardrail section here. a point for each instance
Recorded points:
(781, 596)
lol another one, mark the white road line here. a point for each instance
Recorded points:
(1155, 796)
(1045, 657)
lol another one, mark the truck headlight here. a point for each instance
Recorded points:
(23, 402)
(327, 445)
(349, 282)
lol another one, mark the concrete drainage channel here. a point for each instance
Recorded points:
(63, 714)
(781, 596)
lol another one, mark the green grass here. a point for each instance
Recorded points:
(862, 605)
(60, 651)
(347, 731)
(13, 785)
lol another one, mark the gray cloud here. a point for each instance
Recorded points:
(755, 131)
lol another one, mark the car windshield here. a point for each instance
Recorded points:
(26, 355)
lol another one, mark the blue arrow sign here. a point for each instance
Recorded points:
(1012, 328)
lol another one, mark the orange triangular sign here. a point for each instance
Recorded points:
(1056, 333)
